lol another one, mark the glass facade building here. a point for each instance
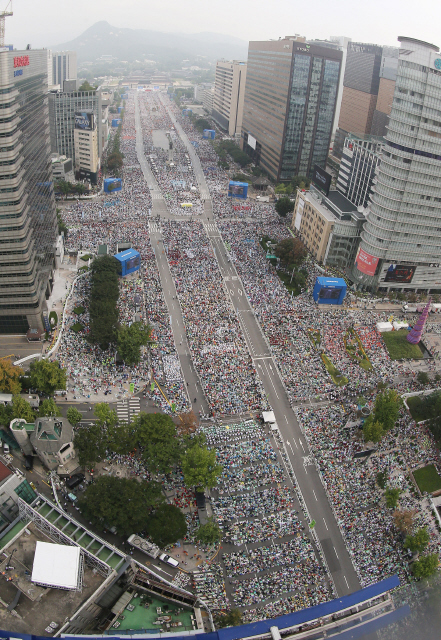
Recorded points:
(289, 105)
(361, 157)
(28, 223)
(401, 240)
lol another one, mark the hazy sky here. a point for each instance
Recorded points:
(48, 22)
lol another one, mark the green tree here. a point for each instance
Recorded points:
(284, 206)
(200, 468)
(423, 377)
(404, 520)
(372, 431)
(157, 436)
(391, 495)
(86, 87)
(106, 417)
(90, 444)
(9, 377)
(122, 438)
(291, 251)
(74, 416)
(209, 533)
(232, 618)
(280, 189)
(47, 376)
(167, 525)
(130, 341)
(123, 503)
(62, 228)
(418, 542)
(103, 322)
(48, 408)
(21, 409)
(387, 408)
(425, 566)
(63, 187)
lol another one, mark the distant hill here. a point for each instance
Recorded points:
(134, 44)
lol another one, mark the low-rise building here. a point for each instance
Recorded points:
(330, 226)
(62, 168)
(51, 438)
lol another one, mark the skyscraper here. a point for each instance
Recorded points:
(289, 105)
(401, 241)
(64, 66)
(368, 87)
(229, 91)
(28, 223)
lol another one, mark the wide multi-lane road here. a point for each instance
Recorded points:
(337, 555)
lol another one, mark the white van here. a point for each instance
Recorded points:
(168, 560)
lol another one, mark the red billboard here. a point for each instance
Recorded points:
(366, 263)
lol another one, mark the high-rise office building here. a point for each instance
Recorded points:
(64, 66)
(361, 157)
(229, 92)
(28, 222)
(289, 105)
(86, 146)
(401, 241)
(63, 105)
(368, 87)
(343, 43)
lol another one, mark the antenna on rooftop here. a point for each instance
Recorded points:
(4, 14)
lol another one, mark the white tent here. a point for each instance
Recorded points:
(268, 416)
(400, 325)
(57, 565)
(384, 326)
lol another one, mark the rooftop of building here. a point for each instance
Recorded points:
(421, 43)
(37, 606)
(4, 472)
(335, 207)
(148, 611)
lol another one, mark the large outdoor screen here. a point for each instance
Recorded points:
(133, 262)
(329, 294)
(399, 273)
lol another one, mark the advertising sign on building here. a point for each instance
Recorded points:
(399, 273)
(321, 179)
(252, 141)
(84, 120)
(366, 263)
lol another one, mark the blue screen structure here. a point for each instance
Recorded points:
(238, 189)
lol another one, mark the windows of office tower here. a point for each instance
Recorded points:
(326, 112)
(311, 112)
(296, 110)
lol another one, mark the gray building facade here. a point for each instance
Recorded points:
(289, 105)
(28, 222)
(361, 157)
(64, 66)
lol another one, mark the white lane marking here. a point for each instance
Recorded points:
(346, 582)
(325, 524)
(301, 444)
(336, 552)
(314, 494)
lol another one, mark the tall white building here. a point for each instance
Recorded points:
(343, 42)
(229, 92)
(401, 240)
(64, 66)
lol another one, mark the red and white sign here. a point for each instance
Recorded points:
(366, 263)
(21, 61)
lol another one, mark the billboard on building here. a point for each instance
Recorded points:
(299, 213)
(84, 120)
(329, 290)
(112, 184)
(252, 142)
(366, 263)
(321, 179)
(400, 273)
(238, 189)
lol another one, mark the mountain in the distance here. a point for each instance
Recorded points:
(134, 44)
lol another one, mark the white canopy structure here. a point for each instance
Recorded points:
(384, 326)
(57, 565)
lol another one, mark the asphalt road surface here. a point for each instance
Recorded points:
(335, 551)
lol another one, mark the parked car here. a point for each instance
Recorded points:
(168, 560)
(75, 480)
(29, 462)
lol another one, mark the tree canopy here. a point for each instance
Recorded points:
(372, 430)
(209, 533)
(131, 339)
(106, 417)
(391, 495)
(9, 377)
(90, 444)
(291, 252)
(48, 408)
(387, 408)
(199, 467)
(404, 520)
(21, 409)
(418, 542)
(232, 618)
(156, 434)
(425, 566)
(74, 416)
(123, 503)
(47, 376)
(284, 206)
(167, 525)
(104, 292)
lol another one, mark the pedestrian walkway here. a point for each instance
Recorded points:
(126, 410)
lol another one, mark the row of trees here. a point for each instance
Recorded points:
(64, 187)
(288, 188)
(115, 158)
(228, 147)
(156, 438)
(45, 376)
